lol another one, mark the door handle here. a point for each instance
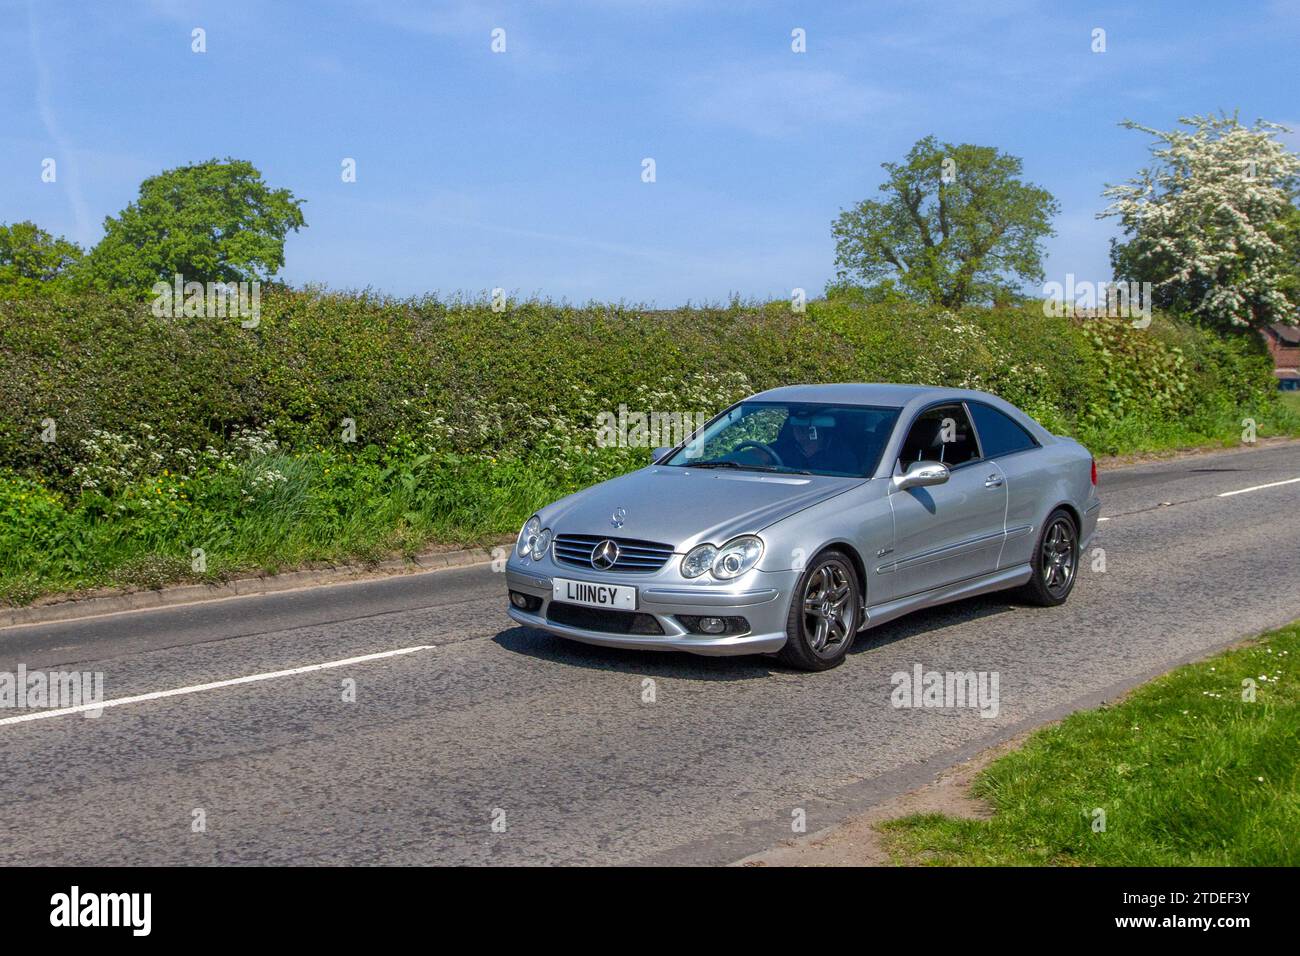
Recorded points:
(994, 481)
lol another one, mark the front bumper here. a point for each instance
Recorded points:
(762, 598)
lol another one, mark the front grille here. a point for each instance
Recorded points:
(600, 619)
(633, 555)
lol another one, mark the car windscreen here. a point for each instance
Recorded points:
(811, 438)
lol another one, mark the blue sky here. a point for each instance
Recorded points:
(522, 169)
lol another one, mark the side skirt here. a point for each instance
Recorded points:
(997, 581)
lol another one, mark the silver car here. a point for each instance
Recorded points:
(805, 514)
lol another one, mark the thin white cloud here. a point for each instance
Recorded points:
(785, 101)
(67, 171)
(464, 212)
(469, 22)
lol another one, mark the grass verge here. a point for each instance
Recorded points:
(1185, 770)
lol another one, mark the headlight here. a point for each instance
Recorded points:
(730, 561)
(737, 556)
(528, 536)
(541, 544)
(699, 560)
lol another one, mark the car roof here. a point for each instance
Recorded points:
(859, 393)
(909, 398)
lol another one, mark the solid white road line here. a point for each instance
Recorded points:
(1271, 484)
(215, 685)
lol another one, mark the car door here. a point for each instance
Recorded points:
(1005, 442)
(953, 531)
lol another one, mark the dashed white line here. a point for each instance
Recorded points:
(215, 685)
(1224, 494)
(1271, 484)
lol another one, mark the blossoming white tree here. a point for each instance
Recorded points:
(1212, 224)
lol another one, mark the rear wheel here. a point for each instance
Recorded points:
(1056, 561)
(823, 615)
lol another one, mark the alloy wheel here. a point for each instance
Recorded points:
(828, 609)
(1059, 557)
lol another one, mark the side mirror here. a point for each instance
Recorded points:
(659, 453)
(919, 474)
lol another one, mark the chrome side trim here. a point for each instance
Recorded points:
(938, 554)
(971, 587)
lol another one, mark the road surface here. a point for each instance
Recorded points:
(474, 741)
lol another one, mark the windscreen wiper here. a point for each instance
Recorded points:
(720, 464)
(771, 469)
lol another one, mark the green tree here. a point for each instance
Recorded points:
(956, 225)
(1212, 222)
(216, 221)
(32, 259)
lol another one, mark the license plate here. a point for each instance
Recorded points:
(586, 593)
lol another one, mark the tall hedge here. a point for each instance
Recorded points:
(496, 381)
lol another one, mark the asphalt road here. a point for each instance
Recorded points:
(493, 722)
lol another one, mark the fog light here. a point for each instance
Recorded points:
(525, 602)
(714, 624)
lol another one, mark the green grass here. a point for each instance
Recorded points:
(270, 514)
(1187, 773)
(1291, 400)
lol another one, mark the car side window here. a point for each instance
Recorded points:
(999, 434)
(941, 434)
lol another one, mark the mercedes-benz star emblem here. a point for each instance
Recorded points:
(604, 555)
(618, 517)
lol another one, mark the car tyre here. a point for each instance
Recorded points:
(824, 614)
(1055, 562)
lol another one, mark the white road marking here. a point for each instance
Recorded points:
(215, 685)
(1229, 494)
(1271, 484)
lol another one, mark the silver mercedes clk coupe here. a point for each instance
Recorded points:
(805, 514)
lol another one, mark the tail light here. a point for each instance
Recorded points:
(1094, 472)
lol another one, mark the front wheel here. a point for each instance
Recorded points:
(1056, 561)
(823, 615)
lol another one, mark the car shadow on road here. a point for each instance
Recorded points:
(932, 619)
(539, 644)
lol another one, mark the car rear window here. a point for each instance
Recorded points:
(999, 434)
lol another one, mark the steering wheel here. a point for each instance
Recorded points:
(765, 449)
